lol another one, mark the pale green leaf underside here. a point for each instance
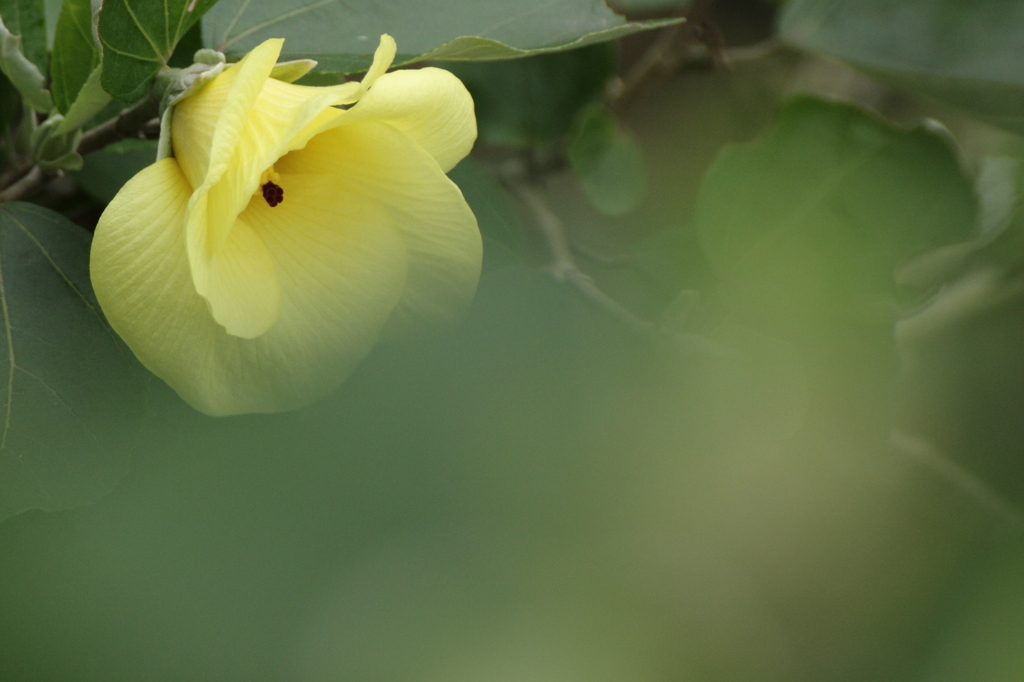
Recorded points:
(70, 393)
(23, 74)
(342, 36)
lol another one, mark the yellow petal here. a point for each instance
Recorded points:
(251, 132)
(225, 104)
(430, 105)
(206, 127)
(439, 230)
(341, 275)
(382, 58)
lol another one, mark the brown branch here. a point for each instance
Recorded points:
(657, 61)
(29, 184)
(663, 60)
(14, 173)
(699, 10)
(666, 53)
(698, 40)
(125, 125)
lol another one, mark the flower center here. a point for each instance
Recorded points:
(272, 192)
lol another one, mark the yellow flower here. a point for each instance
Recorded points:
(291, 232)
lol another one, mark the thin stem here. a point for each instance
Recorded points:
(659, 60)
(126, 124)
(927, 455)
(591, 254)
(696, 41)
(31, 183)
(563, 265)
(666, 53)
(14, 173)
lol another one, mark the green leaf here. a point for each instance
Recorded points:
(89, 102)
(531, 101)
(75, 56)
(27, 19)
(804, 227)
(342, 36)
(52, 9)
(71, 392)
(962, 53)
(22, 72)
(608, 162)
(647, 6)
(139, 37)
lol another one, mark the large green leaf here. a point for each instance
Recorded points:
(641, 7)
(963, 53)
(74, 53)
(71, 392)
(804, 229)
(342, 36)
(810, 221)
(139, 36)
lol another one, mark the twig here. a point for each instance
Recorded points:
(927, 455)
(14, 173)
(563, 266)
(699, 10)
(31, 183)
(656, 62)
(662, 60)
(750, 53)
(587, 252)
(665, 55)
(698, 40)
(126, 124)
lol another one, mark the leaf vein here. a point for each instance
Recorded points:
(231, 25)
(10, 360)
(160, 57)
(60, 399)
(278, 19)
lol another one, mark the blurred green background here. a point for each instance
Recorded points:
(798, 486)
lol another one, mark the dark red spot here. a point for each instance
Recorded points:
(273, 194)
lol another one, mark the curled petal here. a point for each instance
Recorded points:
(342, 274)
(238, 280)
(207, 126)
(245, 303)
(430, 105)
(250, 134)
